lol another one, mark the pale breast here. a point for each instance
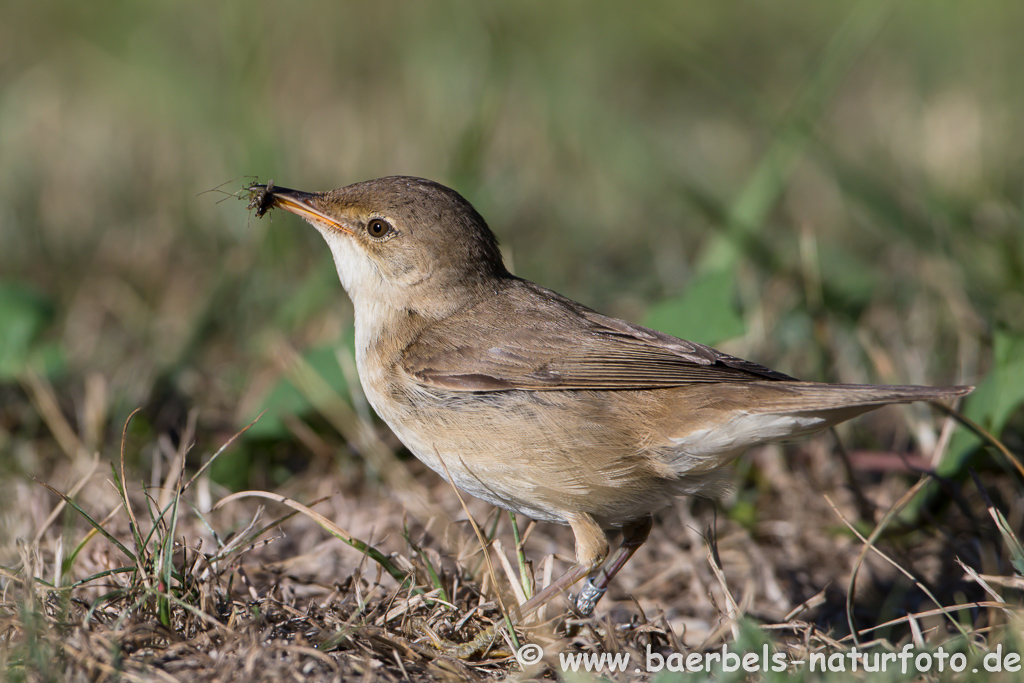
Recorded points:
(540, 454)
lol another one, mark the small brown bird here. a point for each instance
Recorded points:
(536, 403)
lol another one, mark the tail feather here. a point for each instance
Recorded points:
(783, 410)
(814, 397)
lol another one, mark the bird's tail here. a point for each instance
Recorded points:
(730, 419)
(814, 397)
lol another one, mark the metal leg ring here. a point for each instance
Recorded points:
(588, 597)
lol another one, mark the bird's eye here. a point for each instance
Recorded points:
(378, 229)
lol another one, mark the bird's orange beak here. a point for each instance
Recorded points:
(269, 196)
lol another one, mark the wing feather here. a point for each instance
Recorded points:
(528, 337)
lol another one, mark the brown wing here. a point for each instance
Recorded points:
(528, 337)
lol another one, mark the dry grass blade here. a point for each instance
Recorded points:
(327, 524)
(52, 517)
(733, 614)
(869, 544)
(1015, 582)
(938, 611)
(223, 447)
(245, 540)
(981, 582)
(815, 600)
(484, 640)
(116, 672)
(510, 573)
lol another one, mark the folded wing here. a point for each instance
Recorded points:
(532, 338)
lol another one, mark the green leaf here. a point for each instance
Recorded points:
(24, 313)
(705, 312)
(995, 400)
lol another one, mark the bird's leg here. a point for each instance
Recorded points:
(633, 536)
(591, 550)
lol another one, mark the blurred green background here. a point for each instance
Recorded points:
(830, 188)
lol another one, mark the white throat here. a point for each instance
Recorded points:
(373, 298)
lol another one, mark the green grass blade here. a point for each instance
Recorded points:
(96, 525)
